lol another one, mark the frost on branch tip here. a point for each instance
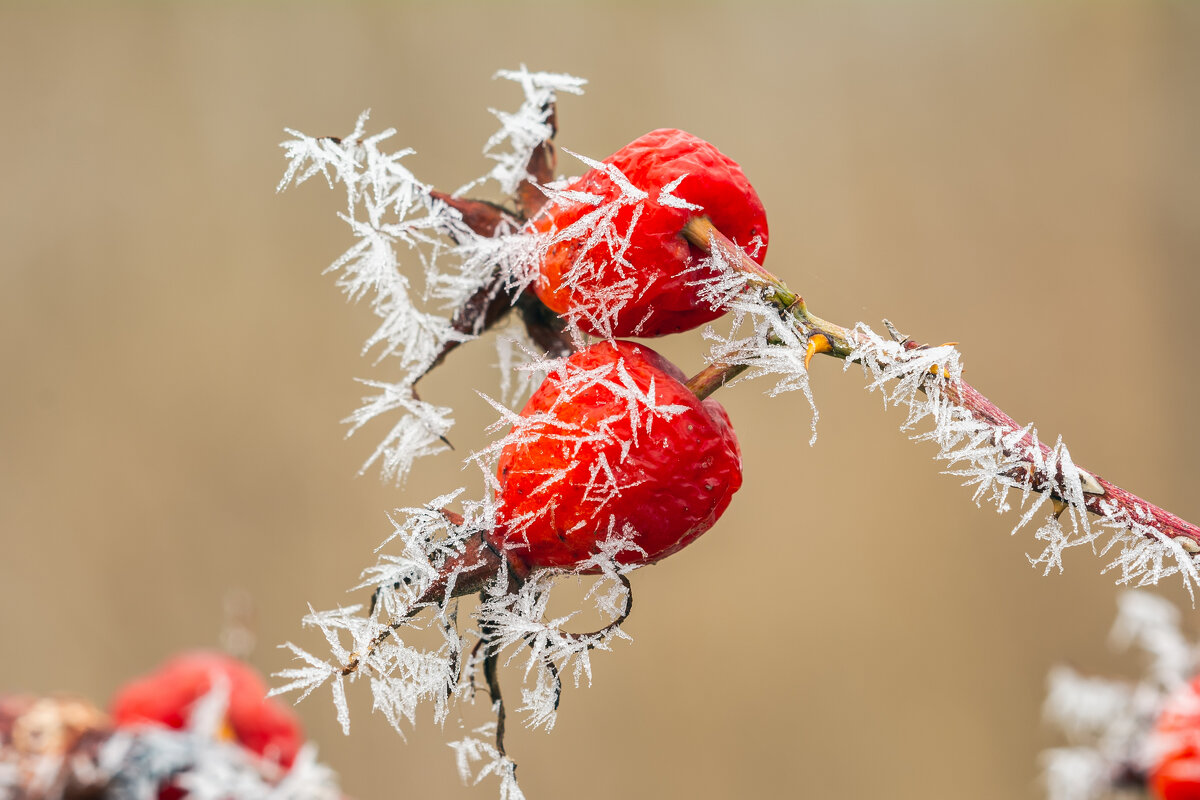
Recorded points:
(1003, 461)
(521, 133)
(404, 233)
(478, 758)
(1109, 723)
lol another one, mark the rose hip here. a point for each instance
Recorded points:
(645, 288)
(1176, 738)
(613, 439)
(261, 725)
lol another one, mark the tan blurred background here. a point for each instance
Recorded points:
(1020, 177)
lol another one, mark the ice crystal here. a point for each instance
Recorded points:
(370, 644)
(404, 232)
(1006, 463)
(604, 227)
(759, 337)
(478, 758)
(1109, 722)
(521, 133)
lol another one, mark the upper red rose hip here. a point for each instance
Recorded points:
(166, 697)
(613, 438)
(613, 282)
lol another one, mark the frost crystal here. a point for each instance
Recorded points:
(478, 759)
(759, 337)
(1002, 460)
(521, 133)
(373, 644)
(392, 213)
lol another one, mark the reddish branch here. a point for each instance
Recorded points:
(1101, 497)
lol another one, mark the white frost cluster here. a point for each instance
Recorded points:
(371, 645)
(392, 213)
(759, 336)
(523, 132)
(138, 762)
(1108, 723)
(478, 758)
(1001, 459)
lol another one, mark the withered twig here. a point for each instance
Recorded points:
(491, 664)
(494, 299)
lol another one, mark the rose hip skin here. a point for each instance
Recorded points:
(588, 467)
(166, 697)
(659, 299)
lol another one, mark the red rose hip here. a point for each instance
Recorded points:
(166, 697)
(613, 441)
(1176, 738)
(615, 282)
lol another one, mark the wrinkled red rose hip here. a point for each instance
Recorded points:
(643, 289)
(613, 438)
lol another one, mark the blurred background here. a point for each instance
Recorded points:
(1019, 177)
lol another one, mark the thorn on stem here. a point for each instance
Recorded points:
(1089, 483)
(895, 334)
(817, 343)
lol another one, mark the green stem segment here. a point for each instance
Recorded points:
(713, 377)
(704, 235)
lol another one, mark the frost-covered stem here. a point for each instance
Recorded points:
(1100, 496)
(466, 573)
(704, 235)
(713, 377)
(1097, 502)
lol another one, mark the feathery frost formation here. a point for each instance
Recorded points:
(374, 645)
(392, 212)
(1109, 723)
(999, 458)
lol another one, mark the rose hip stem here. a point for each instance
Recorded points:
(1101, 497)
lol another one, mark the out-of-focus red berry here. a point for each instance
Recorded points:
(166, 697)
(1176, 738)
(643, 289)
(596, 456)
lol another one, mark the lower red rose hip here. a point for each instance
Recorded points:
(613, 440)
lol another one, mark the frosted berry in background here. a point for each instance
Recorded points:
(168, 696)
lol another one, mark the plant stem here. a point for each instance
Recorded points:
(1100, 496)
(713, 377)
